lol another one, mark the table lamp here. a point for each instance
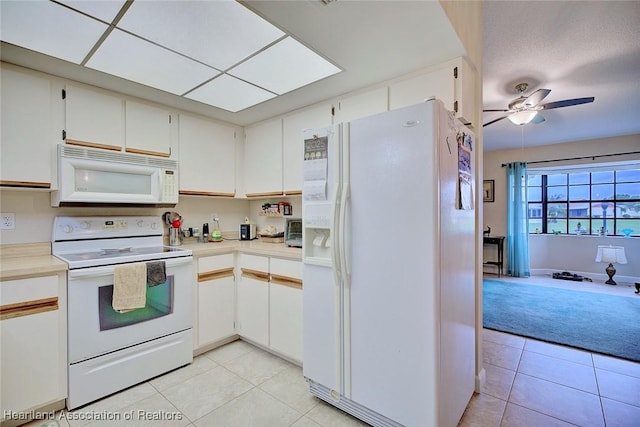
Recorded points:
(612, 255)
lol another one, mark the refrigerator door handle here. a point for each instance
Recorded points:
(344, 264)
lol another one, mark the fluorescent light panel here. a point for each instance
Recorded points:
(175, 42)
(218, 33)
(230, 94)
(103, 10)
(49, 28)
(285, 66)
(134, 59)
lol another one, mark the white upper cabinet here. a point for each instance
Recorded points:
(94, 119)
(293, 144)
(147, 129)
(28, 141)
(362, 105)
(207, 157)
(263, 159)
(452, 84)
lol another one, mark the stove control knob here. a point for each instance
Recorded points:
(154, 225)
(67, 228)
(140, 223)
(85, 225)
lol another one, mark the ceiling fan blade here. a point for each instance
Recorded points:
(536, 97)
(538, 119)
(567, 103)
(495, 111)
(496, 120)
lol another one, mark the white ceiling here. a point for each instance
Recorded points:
(370, 41)
(575, 48)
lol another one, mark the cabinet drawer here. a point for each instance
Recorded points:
(254, 262)
(286, 267)
(22, 290)
(214, 263)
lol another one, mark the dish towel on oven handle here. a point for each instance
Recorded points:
(129, 287)
(156, 273)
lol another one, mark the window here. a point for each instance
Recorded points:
(580, 202)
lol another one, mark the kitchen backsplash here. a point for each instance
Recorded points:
(34, 214)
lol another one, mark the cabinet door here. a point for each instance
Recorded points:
(438, 83)
(285, 308)
(216, 308)
(27, 144)
(94, 119)
(285, 319)
(263, 159)
(293, 144)
(33, 347)
(253, 308)
(207, 157)
(147, 129)
(362, 105)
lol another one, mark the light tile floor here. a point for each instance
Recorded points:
(528, 383)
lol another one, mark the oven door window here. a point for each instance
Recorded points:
(159, 303)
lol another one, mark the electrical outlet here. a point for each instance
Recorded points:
(214, 217)
(7, 221)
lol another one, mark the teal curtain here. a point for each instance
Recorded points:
(517, 229)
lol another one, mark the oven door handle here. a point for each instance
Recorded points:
(106, 270)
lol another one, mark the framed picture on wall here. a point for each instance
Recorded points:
(487, 190)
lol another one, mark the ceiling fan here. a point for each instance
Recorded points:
(524, 109)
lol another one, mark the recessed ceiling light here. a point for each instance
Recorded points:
(49, 28)
(230, 94)
(134, 59)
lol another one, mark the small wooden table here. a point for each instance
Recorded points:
(499, 242)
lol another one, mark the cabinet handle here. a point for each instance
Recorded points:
(291, 282)
(205, 193)
(27, 308)
(25, 184)
(255, 274)
(217, 274)
(147, 152)
(92, 145)
(269, 194)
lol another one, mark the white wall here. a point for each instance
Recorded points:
(34, 214)
(571, 253)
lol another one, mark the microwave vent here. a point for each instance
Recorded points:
(109, 156)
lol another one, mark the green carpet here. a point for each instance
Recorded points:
(590, 321)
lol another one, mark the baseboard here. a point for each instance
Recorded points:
(481, 378)
(595, 277)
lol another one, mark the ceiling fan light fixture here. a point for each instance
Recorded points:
(523, 117)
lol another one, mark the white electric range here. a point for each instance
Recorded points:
(109, 350)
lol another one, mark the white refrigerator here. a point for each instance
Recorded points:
(389, 253)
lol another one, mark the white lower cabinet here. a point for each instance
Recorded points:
(270, 304)
(33, 344)
(215, 299)
(253, 299)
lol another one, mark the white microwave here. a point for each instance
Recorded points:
(88, 176)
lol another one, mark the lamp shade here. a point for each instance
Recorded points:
(522, 117)
(611, 254)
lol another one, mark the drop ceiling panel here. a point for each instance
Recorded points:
(134, 59)
(285, 66)
(104, 10)
(230, 94)
(48, 28)
(218, 33)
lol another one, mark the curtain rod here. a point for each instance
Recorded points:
(578, 158)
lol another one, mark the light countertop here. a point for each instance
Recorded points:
(32, 260)
(255, 247)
